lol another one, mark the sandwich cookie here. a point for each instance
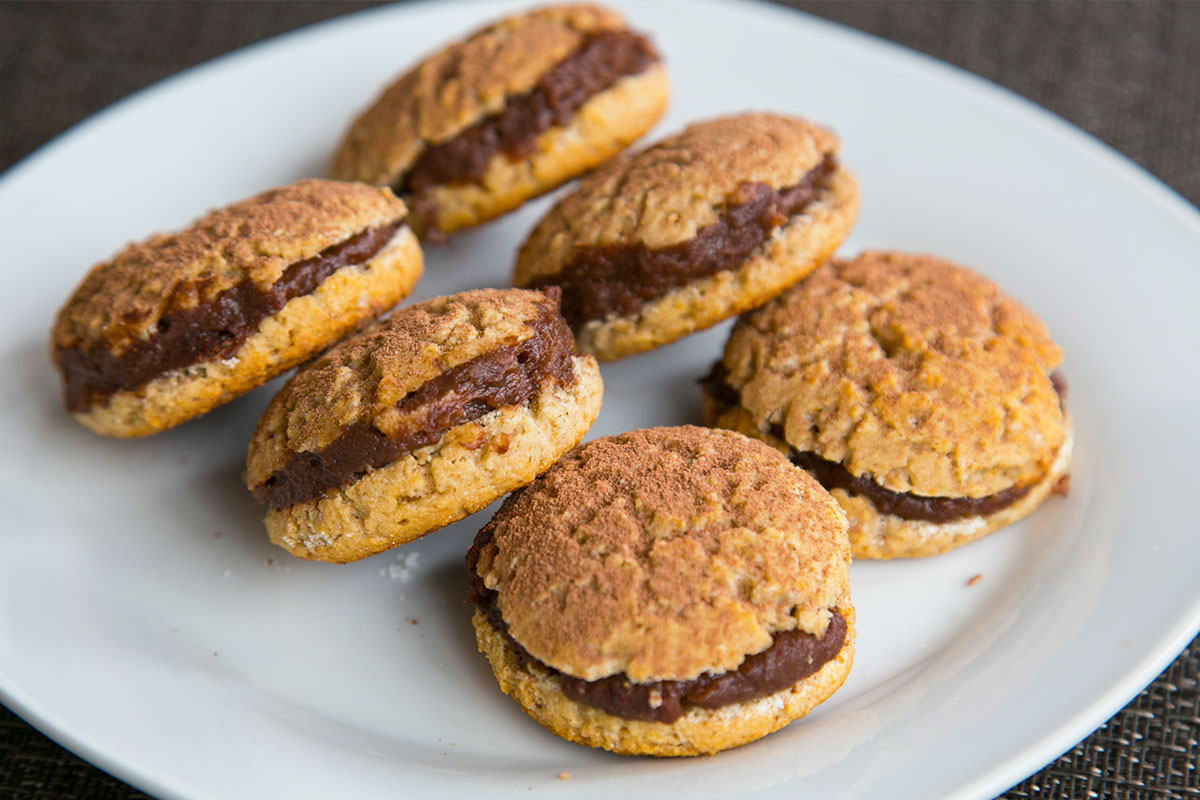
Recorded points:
(419, 421)
(172, 327)
(507, 114)
(666, 592)
(922, 397)
(699, 227)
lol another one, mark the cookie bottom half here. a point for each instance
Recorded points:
(470, 466)
(604, 126)
(302, 328)
(698, 732)
(795, 250)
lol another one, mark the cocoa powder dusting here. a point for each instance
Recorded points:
(679, 551)
(509, 375)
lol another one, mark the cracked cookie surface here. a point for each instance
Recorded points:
(659, 555)
(475, 79)
(237, 313)
(680, 551)
(122, 299)
(363, 383)
(663, 197)
(912, 372)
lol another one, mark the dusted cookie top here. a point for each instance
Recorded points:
(663, 554)
(122, 300)
(367, 376)
(905, 368)
(458, 86)
(666, 194)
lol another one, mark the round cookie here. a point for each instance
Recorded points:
(666, 592)
(701, 226)
(171, 327)
(925, 399)
(507, 114)
(419, 421)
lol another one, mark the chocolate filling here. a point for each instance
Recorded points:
(618, 279)
(791, 657)
(212, 330)
(510, 375)
(600, 61)
(906, 505)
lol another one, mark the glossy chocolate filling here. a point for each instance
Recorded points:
(791, 657)
(602, 60)
(601, 280)
(208, 331)
(510, 375)
(906, 505)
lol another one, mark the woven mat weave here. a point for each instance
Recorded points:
(1127, 72)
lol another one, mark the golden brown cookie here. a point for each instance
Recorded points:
(919, 394)
(668, 592)
(172, 327)
(507, 114)
(701, 226)
(419, 421)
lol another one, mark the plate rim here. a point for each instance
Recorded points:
(1154, 659)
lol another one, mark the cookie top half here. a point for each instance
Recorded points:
(663, 554)
(366, 378)
(664, 195)
(907, 369)
(124, 299)
(462, 84)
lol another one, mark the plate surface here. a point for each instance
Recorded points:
(146, 623)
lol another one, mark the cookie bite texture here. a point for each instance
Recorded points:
(509, 113)
(701, 226)
(173, 326)
(922, 397)
(667, 592)
(419, 421)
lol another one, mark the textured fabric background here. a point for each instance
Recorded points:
(1127, 72)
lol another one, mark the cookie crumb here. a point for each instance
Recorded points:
(564, 776)
(412, 621)
(270, 562)
(403, 567)
(1063, 487)
(974, 579)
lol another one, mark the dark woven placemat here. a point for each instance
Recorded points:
(1127, 72)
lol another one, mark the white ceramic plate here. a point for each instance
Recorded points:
(146, 623)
